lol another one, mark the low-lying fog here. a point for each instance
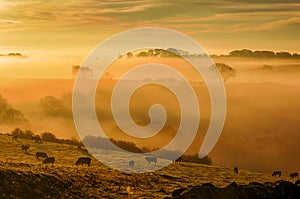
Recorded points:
(261, 132)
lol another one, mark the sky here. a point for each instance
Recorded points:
(62, 34)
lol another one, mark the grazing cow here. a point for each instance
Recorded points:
(276, 173)
(50, 160)
(83, 160)
(294, 175)
(131, 163)
(178, 160)
(151, 159)
(24, 148)
(236, 170)
(41, 154)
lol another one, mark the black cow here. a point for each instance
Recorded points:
(178, 160)
(294, 175)
(83, 160)
(236, 170)
(41, 154)
(24, 148)
(151, 159)
(276, 173)
(50, 160)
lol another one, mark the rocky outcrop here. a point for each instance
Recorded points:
(277, 190)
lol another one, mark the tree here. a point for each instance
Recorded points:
(82, 71)
(29, 134)
(129, 55)
(47, 136)
(57, 107)
(225, 70)
(18, 132)
(283, 54)
(9, 114)
(241, 53)
(143, 54)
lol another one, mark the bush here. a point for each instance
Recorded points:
(47, 136)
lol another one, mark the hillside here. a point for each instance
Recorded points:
(23, 176)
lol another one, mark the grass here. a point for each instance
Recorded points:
(100, 181)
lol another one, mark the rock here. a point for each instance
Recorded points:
(177, 192)
(254, 190)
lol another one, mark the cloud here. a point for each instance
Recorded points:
(7, 23)
(94, 18)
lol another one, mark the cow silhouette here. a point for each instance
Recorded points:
(83, 160)
(236, 170)
(49, 160)
(276, 173)
(294, 175)
(151, 159)
(178, 160)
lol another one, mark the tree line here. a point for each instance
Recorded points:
(103, 143)
(45, 136)
(262, 54)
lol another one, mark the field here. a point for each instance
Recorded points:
(23, 175)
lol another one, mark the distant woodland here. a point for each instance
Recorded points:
(172, 52)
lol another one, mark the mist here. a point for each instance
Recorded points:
(261, 130)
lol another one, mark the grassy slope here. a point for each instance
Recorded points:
(100, 181)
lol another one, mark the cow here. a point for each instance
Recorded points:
(83, 160)
(276, 173)
(294, 175)
(151, 159)
(41, 154)
(49, 160)
(236, 170)
(131, 163)
(178, 160)
(24, 148)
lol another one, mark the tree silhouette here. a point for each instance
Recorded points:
(129, 55)
(225, 70)
(9, 114)
(47, 136)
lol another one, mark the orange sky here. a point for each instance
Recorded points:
(56, 35)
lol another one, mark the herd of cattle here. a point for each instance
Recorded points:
(50, 160)
(292, 175)
(87, 161)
